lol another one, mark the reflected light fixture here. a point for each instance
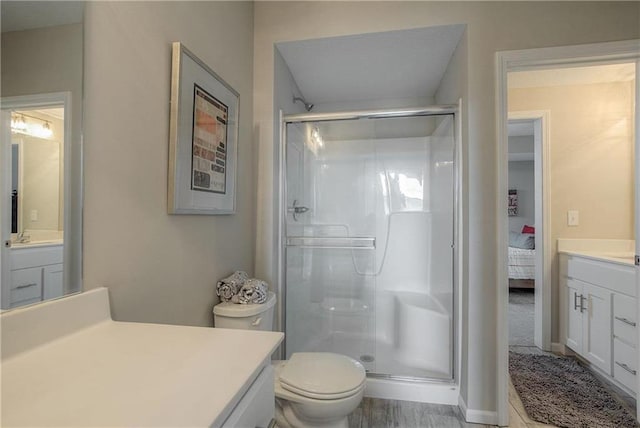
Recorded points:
(46, 130)
(19, 125)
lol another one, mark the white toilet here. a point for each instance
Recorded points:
(313, 389)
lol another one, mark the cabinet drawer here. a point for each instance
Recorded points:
(26, 285)
(624, 318)
(22, 258)
(624, 364)
(609, 275)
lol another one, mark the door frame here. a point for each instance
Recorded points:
(520, 60)
(24, 102)
(542, 323)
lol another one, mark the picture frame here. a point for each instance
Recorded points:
(203, 138)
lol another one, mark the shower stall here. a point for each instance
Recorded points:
(368, 233)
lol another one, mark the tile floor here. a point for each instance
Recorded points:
(379, 413)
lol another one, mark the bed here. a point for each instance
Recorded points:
(522, 260)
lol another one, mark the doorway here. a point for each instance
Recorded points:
(548, 59)
(524, 202)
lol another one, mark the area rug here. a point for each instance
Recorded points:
(559, 391)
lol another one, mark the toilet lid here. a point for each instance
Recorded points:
(322, 375)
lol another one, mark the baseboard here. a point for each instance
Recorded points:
(558, 348)
(477, 416)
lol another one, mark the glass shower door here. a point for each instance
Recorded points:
(369, 234)
(330, 306)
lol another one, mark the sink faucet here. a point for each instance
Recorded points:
(23, 237)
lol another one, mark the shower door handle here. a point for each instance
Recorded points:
(297, 209)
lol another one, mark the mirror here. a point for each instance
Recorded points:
(41, 150)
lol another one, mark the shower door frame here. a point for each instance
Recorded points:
(435, 110)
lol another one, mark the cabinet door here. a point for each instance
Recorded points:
(52, 285)
(574, 316)
(597, 327)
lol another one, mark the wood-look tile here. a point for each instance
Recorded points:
(516, 403)
(379, 413)
(515, 420)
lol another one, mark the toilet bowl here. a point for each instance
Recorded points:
(317, 389)
(312, 389)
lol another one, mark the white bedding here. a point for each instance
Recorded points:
(521, 263)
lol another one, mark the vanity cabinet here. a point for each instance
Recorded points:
(147, 375)
(589, 322)
(256, 407)
(36, 274)
(599, 313)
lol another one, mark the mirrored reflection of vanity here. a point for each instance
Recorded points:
(41, 150)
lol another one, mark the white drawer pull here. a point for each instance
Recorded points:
(626, 321)
(257, 322)
(626, 367)
(26, 285)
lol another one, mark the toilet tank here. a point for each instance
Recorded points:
(245, 317)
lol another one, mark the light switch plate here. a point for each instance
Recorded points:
(573, 218)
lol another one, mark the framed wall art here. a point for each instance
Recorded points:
(512, 207)
(203, 138)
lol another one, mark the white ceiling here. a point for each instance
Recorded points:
(572, 76)
(27, 15)
(389, 65)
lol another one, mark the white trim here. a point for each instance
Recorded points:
(502, 182)
(542, 325)
(527, 59)
(477, 416)
(421, 392)
(558, 348)
(637, 213)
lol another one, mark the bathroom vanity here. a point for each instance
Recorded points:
(598, 309)
(36, 273)
(66, 363)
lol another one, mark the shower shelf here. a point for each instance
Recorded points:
(334, 242)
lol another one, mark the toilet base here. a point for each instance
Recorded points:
(287, 418)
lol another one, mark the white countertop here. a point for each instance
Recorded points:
(36, 244)
(133, 374)
(623, 258)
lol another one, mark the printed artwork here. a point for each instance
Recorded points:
(513, 203)
(209, 143)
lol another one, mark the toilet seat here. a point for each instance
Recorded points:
(322, 375)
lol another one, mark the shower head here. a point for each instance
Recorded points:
(307, 106)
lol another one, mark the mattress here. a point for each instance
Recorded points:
(521, 263)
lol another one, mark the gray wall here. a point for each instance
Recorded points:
(159, 267)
